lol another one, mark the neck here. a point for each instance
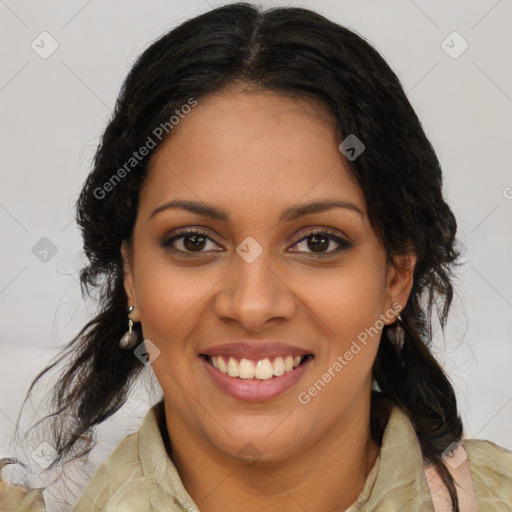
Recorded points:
(328, 476)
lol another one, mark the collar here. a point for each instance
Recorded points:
(397, 477)
(157, 465)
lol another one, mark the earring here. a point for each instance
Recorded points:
(397, 315)
(130, 339)
(397, 333)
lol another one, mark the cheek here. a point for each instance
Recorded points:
(348, 299)
(349, 304)
(169, 298)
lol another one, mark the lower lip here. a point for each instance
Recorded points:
(256, 390)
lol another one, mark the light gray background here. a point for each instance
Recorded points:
(53, 112)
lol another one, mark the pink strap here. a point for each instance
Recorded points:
(457, 463)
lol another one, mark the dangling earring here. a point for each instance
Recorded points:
(397, 334)
(130, 339)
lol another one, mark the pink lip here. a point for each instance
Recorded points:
(255, 350)
(256, 390)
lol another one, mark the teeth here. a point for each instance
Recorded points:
(278, 366)
(222, 365)
(232, 368)
(245, 369)
(264, 369)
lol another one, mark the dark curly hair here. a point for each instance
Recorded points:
(300, 54)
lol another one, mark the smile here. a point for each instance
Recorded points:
(262, 369)
(250, 380)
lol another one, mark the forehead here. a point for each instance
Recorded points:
(250, 151)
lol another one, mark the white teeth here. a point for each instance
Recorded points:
(245, 369)
(264, 369)
(278, 366)
(222, 365)
(232, 368)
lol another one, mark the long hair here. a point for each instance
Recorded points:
(300, 54)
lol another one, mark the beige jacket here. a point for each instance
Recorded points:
(139, 476)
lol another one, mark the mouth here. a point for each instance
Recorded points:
(262, 369)
(254, 381)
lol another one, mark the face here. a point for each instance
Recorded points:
(263, 278)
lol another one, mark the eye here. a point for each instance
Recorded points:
(191, 241)
(320, 240)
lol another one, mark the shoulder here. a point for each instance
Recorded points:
(136, 476)
(488, 456)
(491, 472)
(118, 483)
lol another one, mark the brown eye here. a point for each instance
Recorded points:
(189, 241)
(194, 242)
(318, 242)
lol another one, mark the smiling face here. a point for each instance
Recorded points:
(263, 270)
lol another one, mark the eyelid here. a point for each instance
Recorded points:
(342, 240)
(323, 229)
(181, 233)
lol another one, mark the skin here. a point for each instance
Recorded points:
(255, 155)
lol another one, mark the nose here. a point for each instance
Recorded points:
(255, 294)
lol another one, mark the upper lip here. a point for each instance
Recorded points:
(253, 349)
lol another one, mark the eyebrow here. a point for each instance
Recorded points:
(291, 214)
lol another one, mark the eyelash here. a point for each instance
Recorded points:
(344, 245)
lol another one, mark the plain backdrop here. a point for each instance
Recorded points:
(54, 109)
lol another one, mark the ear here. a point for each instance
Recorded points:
(400, 273)
(129, 282)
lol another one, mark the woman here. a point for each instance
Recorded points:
(266, 224)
